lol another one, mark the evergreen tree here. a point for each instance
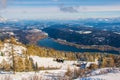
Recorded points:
(2, 54)
(36, 67)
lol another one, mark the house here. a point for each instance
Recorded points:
(85, 64)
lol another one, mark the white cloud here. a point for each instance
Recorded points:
(56, 13)
(98, 8)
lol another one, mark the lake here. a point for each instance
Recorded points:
(50, 43)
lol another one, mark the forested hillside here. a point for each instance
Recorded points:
(12, 59)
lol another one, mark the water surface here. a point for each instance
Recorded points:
(50, 43)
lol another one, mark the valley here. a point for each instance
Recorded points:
(56, 50)
(83, 34)
(59, 39)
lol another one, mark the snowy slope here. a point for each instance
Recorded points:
(43, 74)
(103, 74)
(6, 49)
(48, 62)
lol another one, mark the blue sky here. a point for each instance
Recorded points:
(59, 9)
(65, 2)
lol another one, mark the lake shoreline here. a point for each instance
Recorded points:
(59, 45)
(98, 47)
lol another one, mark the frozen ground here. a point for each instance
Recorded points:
(55, 74)
(48, 62)
(99, 74)
(43, 74)
(103, 74)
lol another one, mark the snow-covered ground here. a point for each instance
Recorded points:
(3, 58)
(55, 74)
(43, 74)
(84, 32)
(48, 62)
(99, 74)
(103, 74)
(108, 74)
(7, 49)
(61, 68)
